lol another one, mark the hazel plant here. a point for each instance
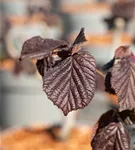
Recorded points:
(69, 80)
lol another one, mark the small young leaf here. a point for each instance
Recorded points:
(71, 84)
(80, 38)
(109, 133)
(123, 81)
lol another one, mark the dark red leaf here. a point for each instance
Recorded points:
(68, 75)
(123, 81)
(80, 38)
(45, 64)
(71, 84)
(108, 86)
(40, 66)
(109, 133)
(122, 138)
(38, 47)
(128, 116)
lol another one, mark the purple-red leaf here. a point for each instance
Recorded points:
(68, 75)
(71, 84)
(40, 66)
(123, 81)
(45, 64)
(128, 116)
(38, 47)
(109, 133)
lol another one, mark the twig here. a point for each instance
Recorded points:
(100, 73)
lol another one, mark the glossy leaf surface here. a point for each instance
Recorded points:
(109, 133)
(123, 81)
(71, 84)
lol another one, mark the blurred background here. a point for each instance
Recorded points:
(108, 24)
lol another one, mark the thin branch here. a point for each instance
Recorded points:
(100, 73)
